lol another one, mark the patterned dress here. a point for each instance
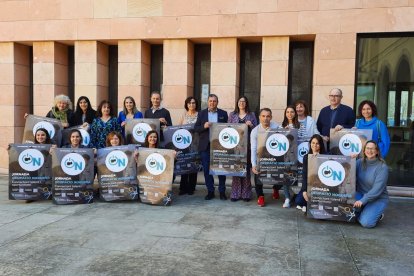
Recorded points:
(100, 129)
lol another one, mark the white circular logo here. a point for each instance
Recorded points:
(350, 144)
(46, 125)
(229, 138)
(73, 164)
(86, 138)
(31, 160)
(116, 161)
(277, 144)
(155, 164)
(139, 132)
(303, 149)
(182, 138)
(331, 173)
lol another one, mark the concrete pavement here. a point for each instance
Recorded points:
(197, 237)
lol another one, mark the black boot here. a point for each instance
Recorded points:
(209, 196)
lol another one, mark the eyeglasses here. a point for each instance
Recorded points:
(335, 96)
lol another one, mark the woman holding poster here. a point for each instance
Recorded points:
(371, 186)
(307, 125)
(84, 113)
(75, 139)
(62, 110)
(114, 139)
(103, 125)
(241, 187)
(129, 112)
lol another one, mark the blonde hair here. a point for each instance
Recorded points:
(63, 98)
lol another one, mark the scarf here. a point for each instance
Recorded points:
(60, 115)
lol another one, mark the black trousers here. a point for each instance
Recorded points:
(188, 182)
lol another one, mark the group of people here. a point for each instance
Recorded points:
(108, 130)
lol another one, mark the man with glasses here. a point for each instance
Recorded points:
(336, 115)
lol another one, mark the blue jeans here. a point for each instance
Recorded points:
(286, 192)
(371, 212)
(300, 200)
(209, 179)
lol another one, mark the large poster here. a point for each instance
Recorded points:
(86, 137)
(277, 156)
(303, 149)
(331, 187)
(155, 175)
(117, 173)
(33, 123)
(29, 172)
(184, 140)
(349, 141)
(73, 175)
(136, 130)
(228, 149)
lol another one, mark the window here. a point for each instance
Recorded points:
(157, 57)
(202, 67)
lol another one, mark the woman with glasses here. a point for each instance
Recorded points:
(188, 181)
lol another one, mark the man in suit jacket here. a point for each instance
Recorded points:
(205, 118)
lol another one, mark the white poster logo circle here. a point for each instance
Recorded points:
(229, 138)
(303, 149)
(46, 125)
(31, 160)
(350, 144)
(86, 137)
(139, 132)
(116, 161)
(331, 173)
(277, 144)
(155, 164)
(73, 164)
(182, 139)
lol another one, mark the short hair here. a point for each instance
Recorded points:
(265, 109)
(146, 143)
(73, 131)
(379, 156)
(134, 108)
(156, 92)
(302, 102)
(48, 140)
(371, 104)
(213, 95)
(237, 110)
(99, 111)
(188, 100)
(320, 141)
(337, 89)
(111, 135)
(62, 98)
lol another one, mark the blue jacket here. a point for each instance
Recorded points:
(379, 129)
(122, 118)
(345, 117)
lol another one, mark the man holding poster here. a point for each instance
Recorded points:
(205, 118)
(265, 117)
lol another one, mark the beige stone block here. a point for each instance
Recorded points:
(25, 31)
(89, 91)
(8, 10)
(43, 52)
(339, 4)
(19, 120)
(320, 97)
(175, 73)
(335, 46)
(275, 48)
(121, 28)
(298, 5)
(384, 3)
(43, 94)
(94, 28)
(224, 73)
(282, 23)
(131, 51)
(411, 2)
(86, 51)
(6, 52)
(217, 7)
(6, 73)
(129, 73)
(5, 33)
(7, 94)
(273, 97)
(102, 75)
(248, 6)
(61, 74)
(227, 95)
(180, 7)
(41, 110)
(76, 9)
(86, 73)
(6, 138)
(21, 54)
(400, 20)
(174, 95)
(334, 72)
(44, 9)
(63, 89)
(21, 95)
(144, 8)
(21, 74)
(162, 27)
(176, 114)
(237, 25)
(199, 26)
(364, 20)
(102, 93)
(225, 49)
(312, 22)
(43, 73)
(61, 30)
(176, 50)
(109, 8)
(274, 72)
(145, 75)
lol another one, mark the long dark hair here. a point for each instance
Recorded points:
(134, 109)
(80, 134)
(237, 109)
(295, 119)
(146, 144)
(99, 111)
(48, 140)
(321, 144)
(371, 104)
(90, 112)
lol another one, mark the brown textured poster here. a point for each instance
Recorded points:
(33, 123)
(349, 141)
(228, 149)
(155, 175)
(331, 187)
(136, 130)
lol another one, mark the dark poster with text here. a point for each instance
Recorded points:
(136, 130)
(33, 123)
(349, 141)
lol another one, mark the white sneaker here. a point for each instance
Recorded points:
(287, 203)
(298, 207)
(304, 209)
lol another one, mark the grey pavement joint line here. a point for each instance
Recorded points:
(349, 250)
(299, 251)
